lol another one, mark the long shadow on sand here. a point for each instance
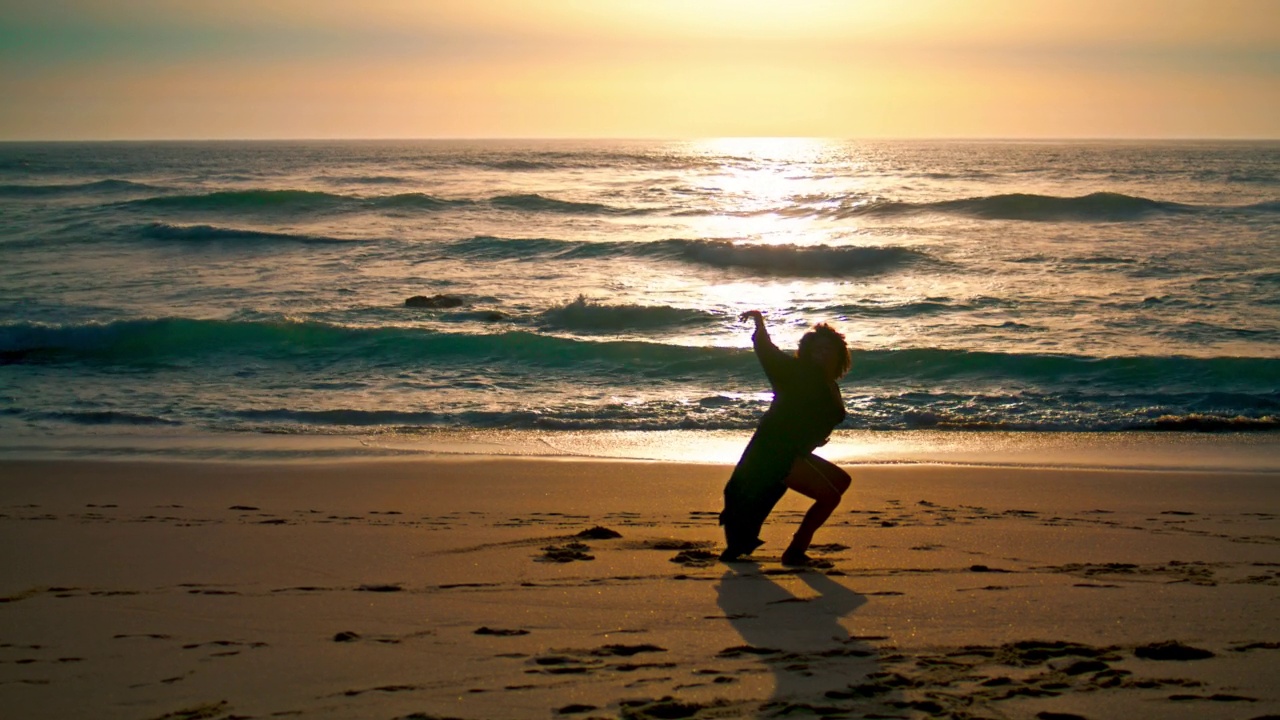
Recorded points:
(796, 634)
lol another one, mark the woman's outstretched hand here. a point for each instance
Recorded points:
(760, 330)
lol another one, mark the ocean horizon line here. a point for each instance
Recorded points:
(672, 138)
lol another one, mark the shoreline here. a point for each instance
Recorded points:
(1151, 451)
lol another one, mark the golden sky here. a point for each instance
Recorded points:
(109, 69)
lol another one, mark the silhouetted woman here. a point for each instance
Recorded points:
(806, 407)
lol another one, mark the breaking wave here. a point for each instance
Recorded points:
(247, 200)
(794, 260)
(159, 339)
(583, 315)
(887, 389)
(1094, 207)
(294, 201)
(541, 203)
(200, 233)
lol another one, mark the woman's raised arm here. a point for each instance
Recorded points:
(758, 317)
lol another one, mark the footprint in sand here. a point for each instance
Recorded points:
(500, 632)
(694, 558)
(568, 552)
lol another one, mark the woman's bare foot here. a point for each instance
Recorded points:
(792, 559)
(733, 553)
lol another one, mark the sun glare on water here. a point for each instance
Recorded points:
(757, 181)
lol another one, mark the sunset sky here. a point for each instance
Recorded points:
(115, 69)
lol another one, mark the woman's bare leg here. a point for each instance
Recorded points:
(821, 480)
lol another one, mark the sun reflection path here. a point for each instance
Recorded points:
(771, 192)
(759, 181)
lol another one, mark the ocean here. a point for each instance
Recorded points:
(247, 289)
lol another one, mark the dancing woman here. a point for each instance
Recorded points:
(806, 407)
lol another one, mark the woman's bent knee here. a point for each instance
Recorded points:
(841, 481)
(836, 478)
(818, 479)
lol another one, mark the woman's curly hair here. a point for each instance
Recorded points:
(823, 331)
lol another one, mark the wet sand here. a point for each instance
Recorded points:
(533, 588)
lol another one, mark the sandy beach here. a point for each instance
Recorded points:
(477, 587)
